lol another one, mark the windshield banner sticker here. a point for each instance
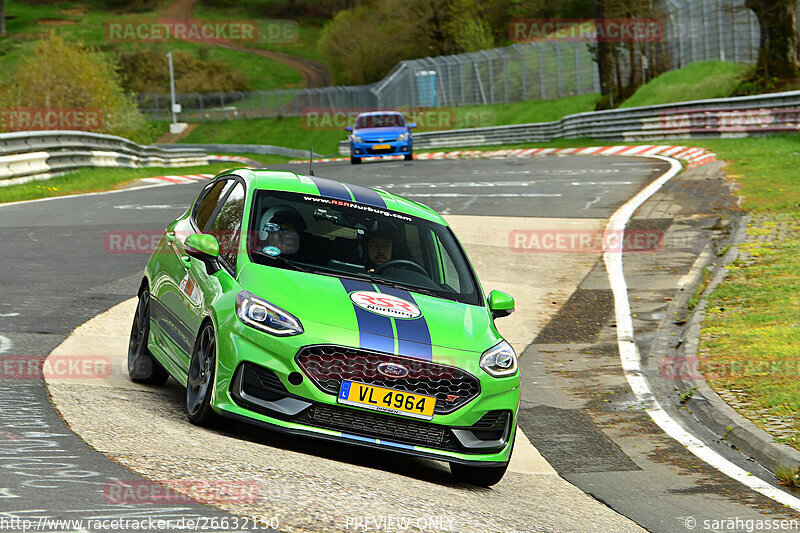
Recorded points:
(360, 207)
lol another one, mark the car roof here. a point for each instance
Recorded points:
(369, 113)
(281, 180)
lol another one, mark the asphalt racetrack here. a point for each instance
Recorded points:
(581, 471)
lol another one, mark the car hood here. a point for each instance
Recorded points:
(372, 132)
(327, 300)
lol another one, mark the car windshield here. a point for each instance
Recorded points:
(387, 120)
(352, 240)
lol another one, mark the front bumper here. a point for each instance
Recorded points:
(367, 149)
(255, 386)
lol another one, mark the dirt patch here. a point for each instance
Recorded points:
(55, 22)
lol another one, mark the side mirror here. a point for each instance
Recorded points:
(348, 128)
(205, 248)
(500, 304)
(412, 125)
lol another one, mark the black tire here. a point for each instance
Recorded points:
(482, 476)
(200, 384)
(408, 157)
(355, 160)
(142, 366)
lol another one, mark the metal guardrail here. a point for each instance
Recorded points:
(27, 156)
(723, 117)
(261, 149)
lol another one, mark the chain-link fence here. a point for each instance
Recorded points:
(699, 30)
(693, 30)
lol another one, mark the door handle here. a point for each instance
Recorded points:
(187, 262)
(170, 236)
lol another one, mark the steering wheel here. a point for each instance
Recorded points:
(412, 265)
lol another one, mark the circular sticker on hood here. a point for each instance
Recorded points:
(385, 304)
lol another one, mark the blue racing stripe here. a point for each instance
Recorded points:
(375, 331)
(413, 335)
(331, 188)
(364, 195)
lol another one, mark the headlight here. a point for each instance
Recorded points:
(403, 137)
(500, 360)
(262, 315)
(356, 138)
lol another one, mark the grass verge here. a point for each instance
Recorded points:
(96, 179)
(107, 179)
(751, 332)
(697, 81)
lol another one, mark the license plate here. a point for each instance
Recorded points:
(387, 400)
(381, 146)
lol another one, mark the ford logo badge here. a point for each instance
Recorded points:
(392, 370)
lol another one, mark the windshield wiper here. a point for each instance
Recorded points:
(284, 261)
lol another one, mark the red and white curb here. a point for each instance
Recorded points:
(191, 178)
(692, 155)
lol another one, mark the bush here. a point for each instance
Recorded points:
(66, 75)
(146, 70)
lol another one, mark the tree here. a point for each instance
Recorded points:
(2, 18)
(66, 75)
(778, 50)
(604, 57)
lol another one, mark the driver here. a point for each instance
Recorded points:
(379, 245)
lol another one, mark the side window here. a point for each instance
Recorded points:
(227, 224)
(208, 203)
(446, 266)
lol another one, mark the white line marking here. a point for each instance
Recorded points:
(155, 206)
(631, 363)
(459, 195)
(5, 344)
(8, 315)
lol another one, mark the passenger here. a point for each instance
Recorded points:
(280, 232)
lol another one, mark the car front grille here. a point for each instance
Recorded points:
(328, 366)
(365, 424)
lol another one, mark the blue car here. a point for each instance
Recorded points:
(380, 133)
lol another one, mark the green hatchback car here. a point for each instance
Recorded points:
(329, 310)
